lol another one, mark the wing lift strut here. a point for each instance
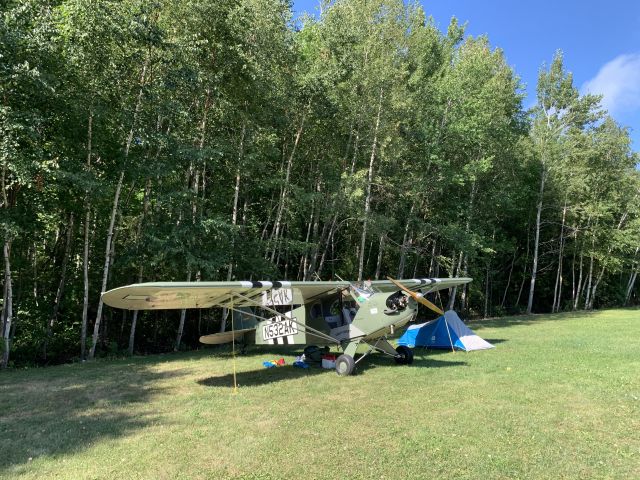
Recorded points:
(302, 326)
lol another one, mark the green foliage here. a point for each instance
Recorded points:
(246, 142)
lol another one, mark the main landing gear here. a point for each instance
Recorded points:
(405, 355)
(345, 365)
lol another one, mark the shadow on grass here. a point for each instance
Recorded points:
(267, 376)
(421, 359)
(495, 341)
(264, 376)
(53, 412)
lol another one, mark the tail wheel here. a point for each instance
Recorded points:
(405, 355)
(345, 365)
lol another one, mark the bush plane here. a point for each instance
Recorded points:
(337, 313)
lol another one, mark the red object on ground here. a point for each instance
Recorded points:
(280, 361)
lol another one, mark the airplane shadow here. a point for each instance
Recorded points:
(265, 376)
(420, 360)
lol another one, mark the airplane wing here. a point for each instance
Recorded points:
(181, 295)
(426, 285)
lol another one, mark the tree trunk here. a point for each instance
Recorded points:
(576, 299)
(536, 244)
(114, 211)
(486, 293)
(635, 266)
(557, 290)
(463, 295)
(304, 259)
(145, 210)
(35, 272)
(59, 292)
(506, 289)
(85, 272)
(367, 201)
(236, 196)
(403, 247)
(7, 304)
(524, 271)
(432, 260)
(85, 257)
(183, 314)
(380, 255)
(588, 288)
(285, 187)
(234, 221)
(630, 285)
(455, 269)
(323, 243)
(601, 274)
(328, 243)
(467, 228)
(595, 287)
(105, 275)
(132, 332)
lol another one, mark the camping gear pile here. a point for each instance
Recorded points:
(328, 361)
(279, 362)
(300, 363)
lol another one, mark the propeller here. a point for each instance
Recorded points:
(417, 297)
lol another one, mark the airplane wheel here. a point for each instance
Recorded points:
(345, 364)
(406, 355)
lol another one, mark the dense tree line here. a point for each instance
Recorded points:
(219, 139)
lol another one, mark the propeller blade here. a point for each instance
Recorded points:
(417, 297)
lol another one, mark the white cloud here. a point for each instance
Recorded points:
(619, 83)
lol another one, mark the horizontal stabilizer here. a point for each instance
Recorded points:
(224, 337)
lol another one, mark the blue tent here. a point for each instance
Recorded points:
(447, 331)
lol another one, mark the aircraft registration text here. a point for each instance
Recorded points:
(281, 296)
(280, 328)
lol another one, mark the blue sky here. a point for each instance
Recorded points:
(600, 41)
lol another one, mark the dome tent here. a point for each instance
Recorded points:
(447, 331)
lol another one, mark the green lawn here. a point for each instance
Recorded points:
(558, 398)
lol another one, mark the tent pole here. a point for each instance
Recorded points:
(446, 324)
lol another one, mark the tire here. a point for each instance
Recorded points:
(405, 355)
(345, 365)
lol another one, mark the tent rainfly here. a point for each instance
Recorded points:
(447, 331)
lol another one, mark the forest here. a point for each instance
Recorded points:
(204, 140)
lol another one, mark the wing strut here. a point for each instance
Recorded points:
(304, 327)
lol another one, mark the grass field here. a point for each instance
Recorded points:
(559, 397)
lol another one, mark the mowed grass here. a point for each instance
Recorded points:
(559, 397)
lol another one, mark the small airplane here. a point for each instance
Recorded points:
(337, 313)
